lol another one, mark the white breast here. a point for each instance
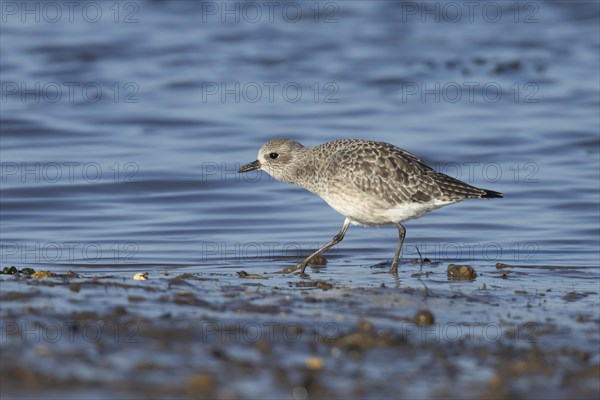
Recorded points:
(367, 210)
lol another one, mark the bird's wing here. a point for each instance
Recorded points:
(383, 171)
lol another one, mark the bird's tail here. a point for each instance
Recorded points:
(490, 194)
(454, 189)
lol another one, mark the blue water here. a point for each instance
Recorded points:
(120, 138)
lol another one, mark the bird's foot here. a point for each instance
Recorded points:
(394, 268)
(289, 270)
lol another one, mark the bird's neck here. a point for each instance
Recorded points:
(305, 171)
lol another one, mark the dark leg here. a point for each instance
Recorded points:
(401, 233)
(336, 239)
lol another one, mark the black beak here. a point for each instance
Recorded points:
(250, 167)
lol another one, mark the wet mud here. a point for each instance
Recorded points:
(338, 334)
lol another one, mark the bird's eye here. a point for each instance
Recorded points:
(273, 156)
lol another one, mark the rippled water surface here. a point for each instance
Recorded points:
(121, 137)
(120, 141)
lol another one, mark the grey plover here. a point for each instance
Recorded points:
(370, 183)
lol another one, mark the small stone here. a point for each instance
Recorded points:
(318, 260)
(245, 275)
(141, 276)
(461, 272)
(43, 274)
(27, 271)
(314, 363)
(423, 318)
(9, 270)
